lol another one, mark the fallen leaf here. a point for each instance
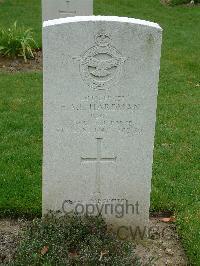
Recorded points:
(168, 220)
(73, 254)
(44, 250)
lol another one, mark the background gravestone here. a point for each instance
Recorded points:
(100, 91)
(53, 9)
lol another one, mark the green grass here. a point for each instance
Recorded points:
(176, 173)
(25, 12)
(20, 144)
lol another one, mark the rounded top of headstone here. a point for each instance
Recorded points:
(101, 18)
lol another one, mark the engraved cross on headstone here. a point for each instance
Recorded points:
(67, 12)
(98, 160)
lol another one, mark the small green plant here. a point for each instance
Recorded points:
(73, 240)
(17, 41)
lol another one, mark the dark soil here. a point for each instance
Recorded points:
(9, 238)
(19, 65)
(163, 246)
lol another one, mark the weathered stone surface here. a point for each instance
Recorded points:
(53, 9)
(100, 92)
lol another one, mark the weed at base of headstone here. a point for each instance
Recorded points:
(73, 240)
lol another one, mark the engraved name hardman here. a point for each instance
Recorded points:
(105, 107)
(105, 103)
(101, 65)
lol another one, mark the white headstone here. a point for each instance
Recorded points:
(53, 9)
(100, 92)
